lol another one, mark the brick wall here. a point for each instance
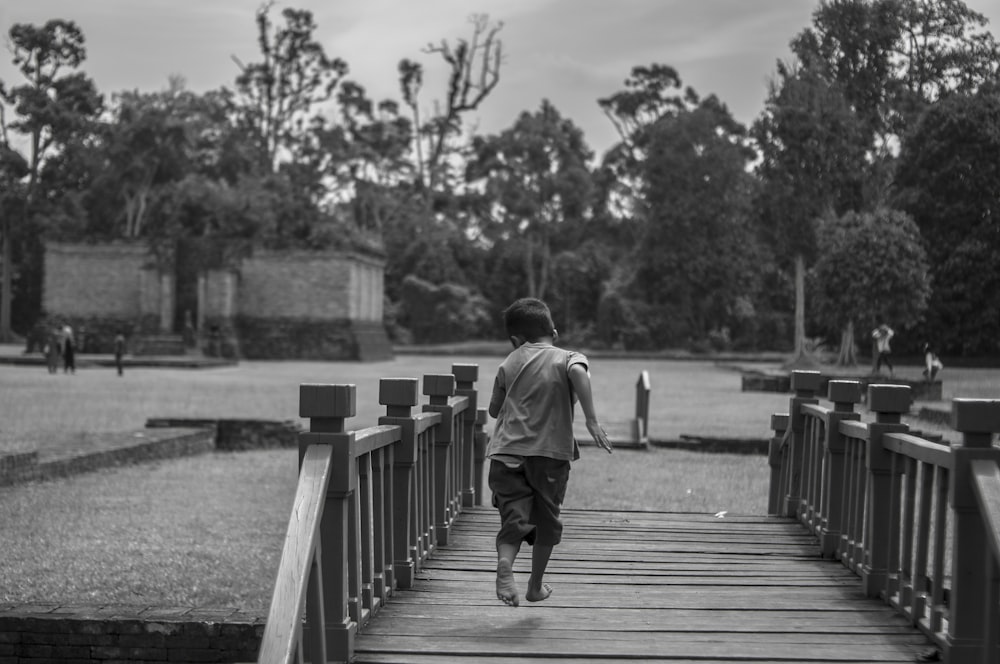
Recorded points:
(53, 633)
(98, 280)
(308, 285)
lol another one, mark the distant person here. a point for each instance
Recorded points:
(532, 445)
(932, 363)
(881, 336)
(52, 351)
(120, 353)
(68, 350)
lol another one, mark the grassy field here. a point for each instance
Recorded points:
(207, 531)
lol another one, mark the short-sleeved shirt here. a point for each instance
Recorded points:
(535, 401)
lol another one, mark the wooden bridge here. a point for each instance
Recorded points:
(880, 546)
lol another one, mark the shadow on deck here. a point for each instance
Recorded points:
(642, 586)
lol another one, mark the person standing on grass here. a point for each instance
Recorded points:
(881, 335)
(532, 444)
(68, 350)
(119, 352)
(52, 351)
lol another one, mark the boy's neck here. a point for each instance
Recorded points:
(544, 341)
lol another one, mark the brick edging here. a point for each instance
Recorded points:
(106, 633)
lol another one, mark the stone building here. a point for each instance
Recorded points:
(267, 304)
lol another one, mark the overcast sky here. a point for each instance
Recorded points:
(569, 51)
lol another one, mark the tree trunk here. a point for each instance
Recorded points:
(847, 356)
(802, 358)
(6, 333)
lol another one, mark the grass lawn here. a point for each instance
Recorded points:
(207, 530)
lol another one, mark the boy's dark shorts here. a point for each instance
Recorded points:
(529, 499)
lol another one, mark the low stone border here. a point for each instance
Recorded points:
(233, 435)
(153, 635)
(758, 381)
(715, 445)
(118, 449)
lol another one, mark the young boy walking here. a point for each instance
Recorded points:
(532, 443)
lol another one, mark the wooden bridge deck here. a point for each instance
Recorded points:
(642, 586)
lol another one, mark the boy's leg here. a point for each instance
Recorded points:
(548, 478)
(512, 497)
(506, 586)
(537, 589)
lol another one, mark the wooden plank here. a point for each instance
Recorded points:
(642, 586)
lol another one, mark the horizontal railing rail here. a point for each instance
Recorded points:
(916, 519)
(371, 505)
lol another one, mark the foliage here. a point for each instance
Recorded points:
(695, 255)
(534, 179)
(441, 313)
(871, 269)
(278, 94)
(949, 181)
(55, 108)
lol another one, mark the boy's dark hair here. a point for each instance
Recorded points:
(529, 318)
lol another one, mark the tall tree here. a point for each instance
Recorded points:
(693, 261)
(473, 72)
(535, 178)
(871, 269)
(280, 93)
(54, 105)
(812, 150)
(949, 181)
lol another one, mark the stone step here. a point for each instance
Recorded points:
(158, 344)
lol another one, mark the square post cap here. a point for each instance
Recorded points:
(975, 415)
(398, 391)
(439, 385)
(324, 400)
(889, 398)
(779, 421)
(806, 381)
(465, 373)
(844, 391)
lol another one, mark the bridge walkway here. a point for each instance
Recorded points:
(642, 586)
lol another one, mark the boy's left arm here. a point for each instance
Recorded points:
(580, 380)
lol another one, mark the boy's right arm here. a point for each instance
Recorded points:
(580, 381)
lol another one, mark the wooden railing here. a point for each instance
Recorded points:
(917, 519)
(370, 507)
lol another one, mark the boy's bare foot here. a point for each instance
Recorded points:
(506, 588)
(538, 595)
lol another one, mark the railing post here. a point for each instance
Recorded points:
(775, 455)
(969, 634)
(888, 402)
(399, 395)
(466, 376)
(479, 443)
(327, 407)
(439, 388)
(844, 394)
(805, 384)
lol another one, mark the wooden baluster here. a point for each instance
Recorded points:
(399, 395)
(844, 394)
(479, 444)
(327, 407)
(366, 537)
(776, 457)
(969, 634)
(888, 402)
(466, 376)
(439, 388)
(379, 526)
(906, 589)
(804, 384)
(938, 607)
